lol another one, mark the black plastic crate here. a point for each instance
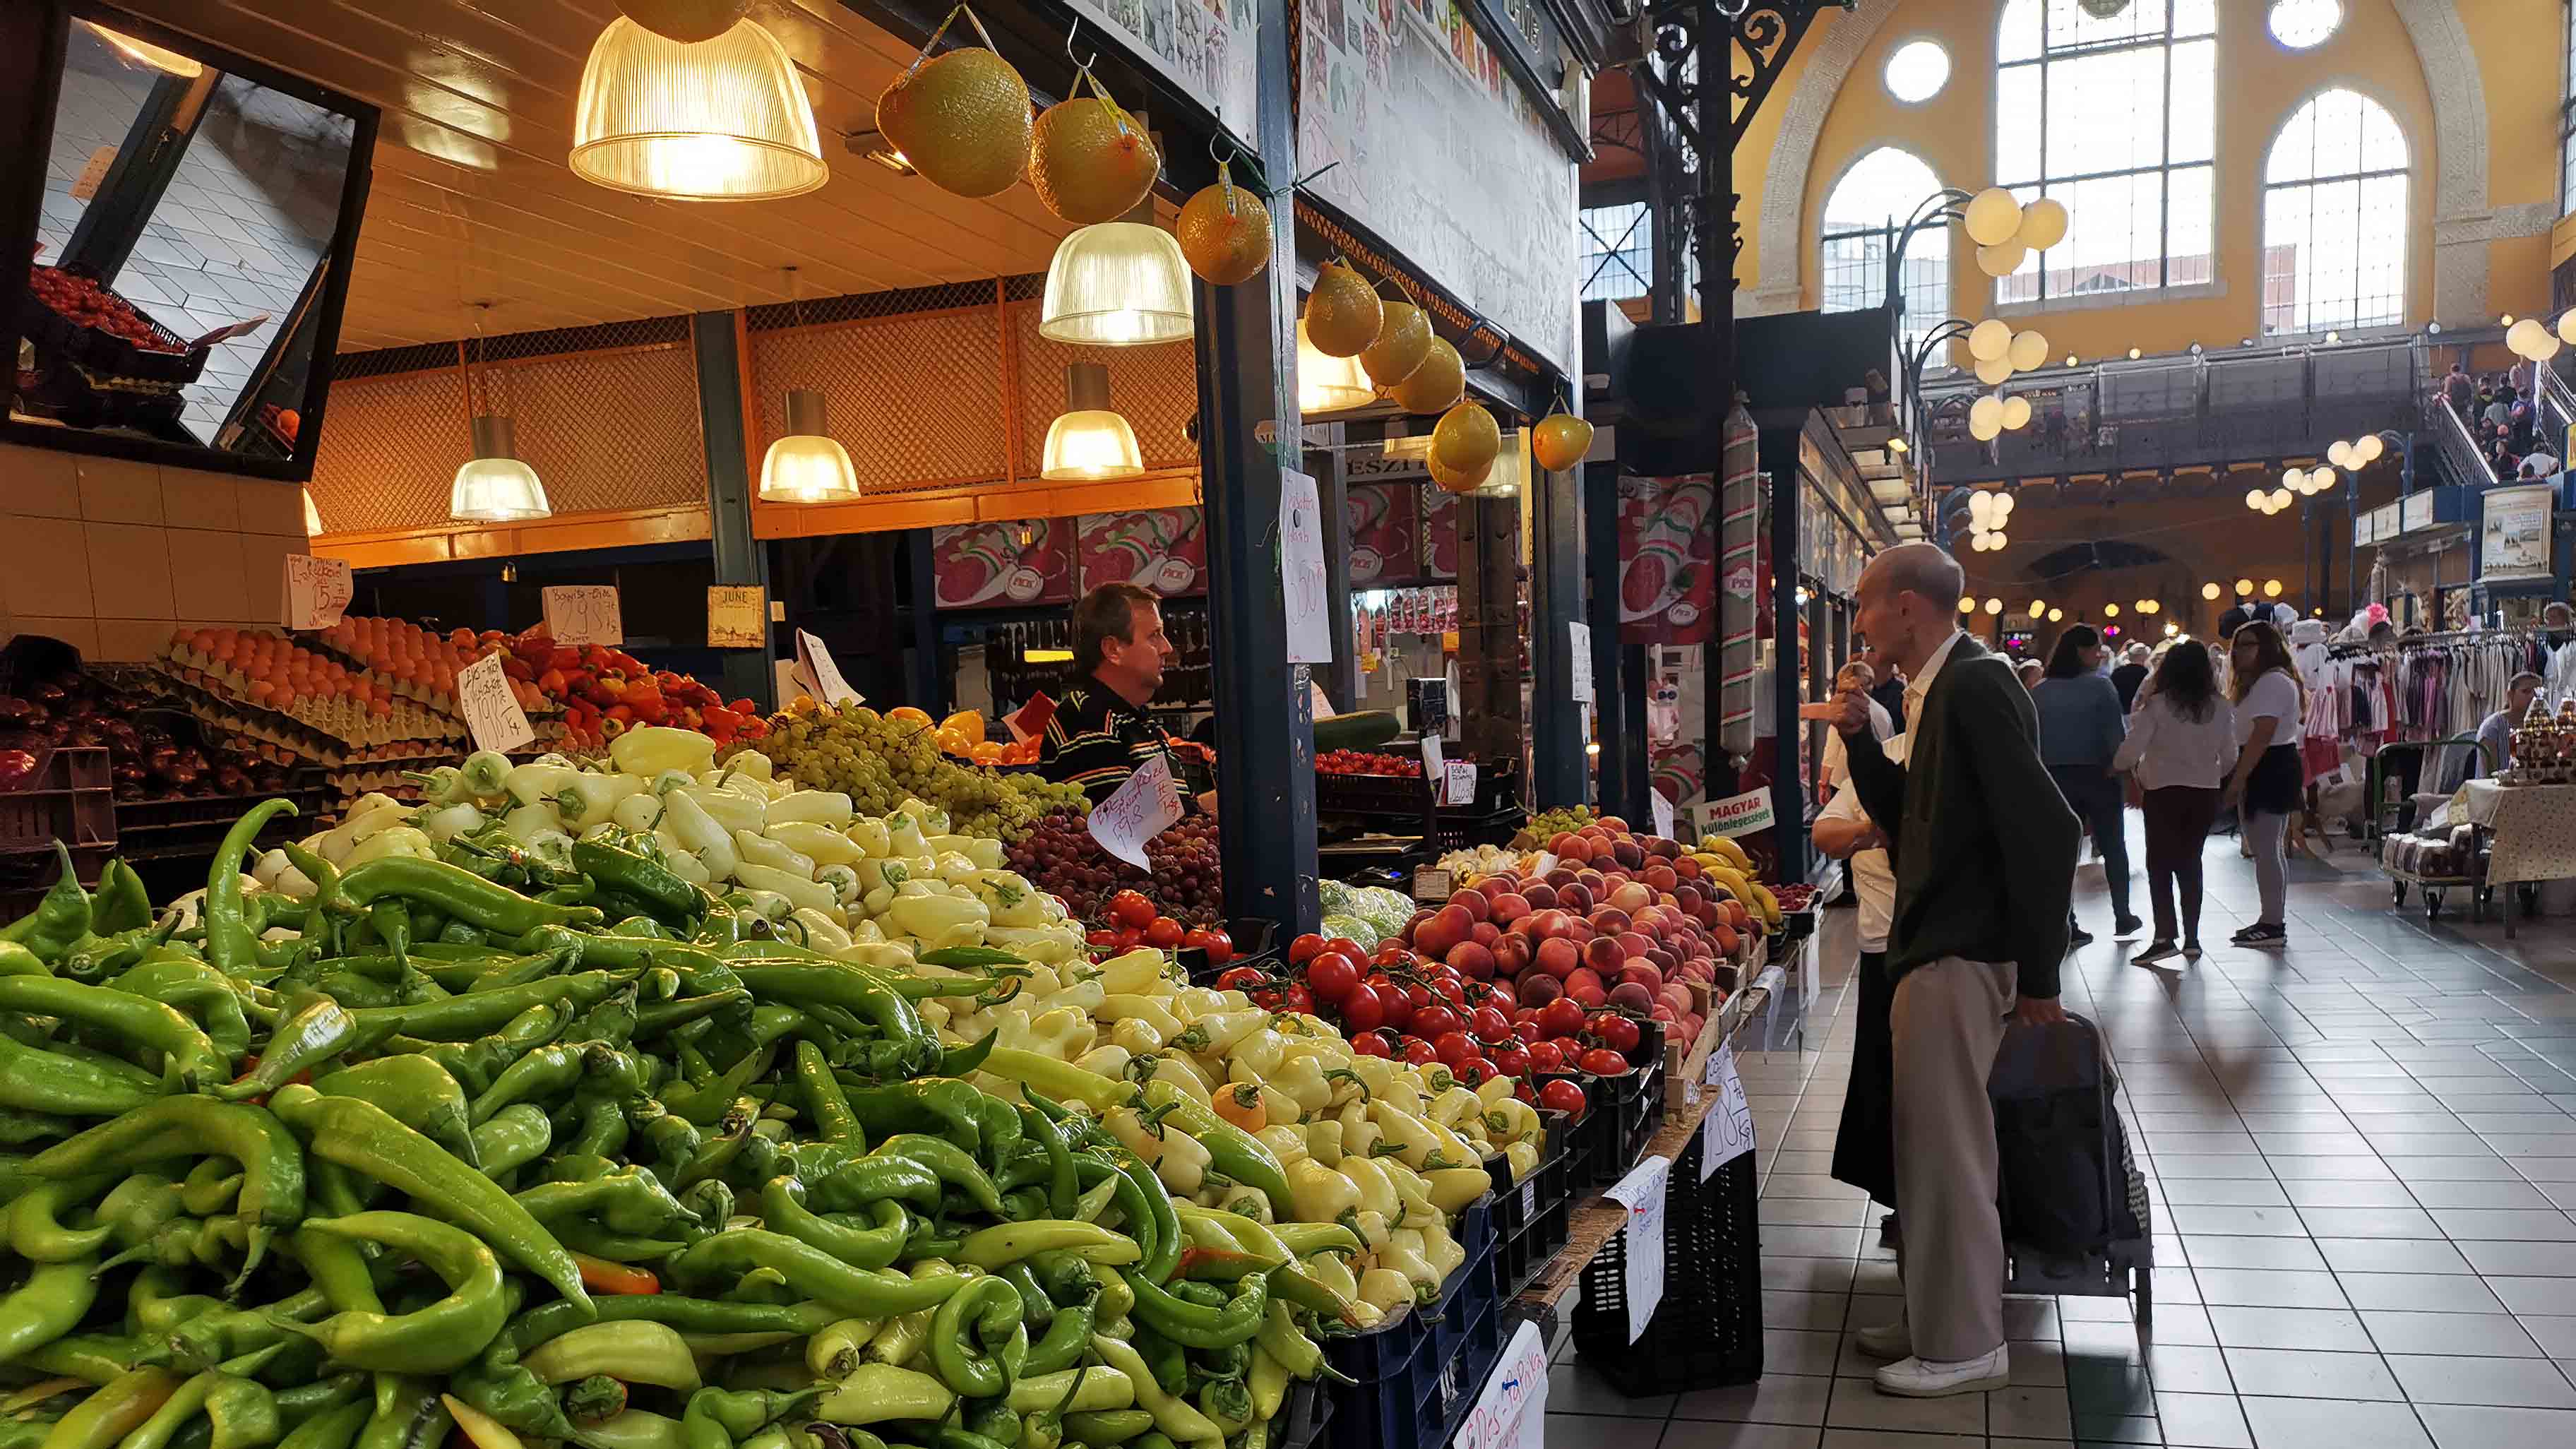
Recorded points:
(1302, 1418)
(1256, 943)
(1416, 1378)
(1707, 1331)
(1530, 1223)
(58, 338)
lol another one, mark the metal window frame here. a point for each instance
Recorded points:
(2382, 173)
(1619, 251)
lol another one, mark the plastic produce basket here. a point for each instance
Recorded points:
(66, 798)
(1256, 943)
(103, 353)
(1417, 1377)
(1707, 1332)
(1531, 1216)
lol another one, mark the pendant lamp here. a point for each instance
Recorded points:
(494, 486)
(721, 120)
(807, 465)
(1117, 284)
(1328, 384)
(1090, 443)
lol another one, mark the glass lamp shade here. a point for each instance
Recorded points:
(1328, 384)
(722, 120)
(1093, 445)
(1117, 284)
(494, 486)
(807, 465)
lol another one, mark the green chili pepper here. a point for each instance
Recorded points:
(509, 971)
(515, 1137)
(48, 1305)
(663, 894)
(977, 1339)
(435, 1339)
(1154, 1201)
(272, 1196)
(318, 1030)
(1063, 1342)
(208, 1339)
(512, 1395)
(222, 1006)
(60, 920)
(1195, 1326)
(44, 1081)
(189, 1056)
(1101, 1428)
(460, 893)
(334, 1428)
(416, 1090)
(955, 1166)
(873, 1178)
(36, 1231)
(812, 1274)
(783, 1210)
(232, 945)
(688, 1315)
(637, 1352)
(628, 1200)
(408, 1415)
(663, 1017)
(122, 904)
(912, 1046)
(365, 1138)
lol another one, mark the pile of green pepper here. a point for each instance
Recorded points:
(603, 1163)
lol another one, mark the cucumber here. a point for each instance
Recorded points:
(1365, 730)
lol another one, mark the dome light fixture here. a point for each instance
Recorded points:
(494, 486)
(1328, 384)
(2110, 611)
(725, 119)
(1994, 606)
(1967, 605)
(1090, 442)
(2055, 615)
(1117, 284)
(807, 464)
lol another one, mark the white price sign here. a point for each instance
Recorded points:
(1137, 812)
(1579, 655)
(584, 614)
(1642, 1193)
(1433, 885)
(1301, 570)
(737, 616)
(1511, 1413)
(819, 675)
(318, 591)
(492, 713)
(1460, 777)
(1663, 809)
(1741, 814)
(1727, 1132)
(1432, 758)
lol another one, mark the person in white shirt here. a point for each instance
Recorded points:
(1865, 1142)
(2182, 738)
(1855, 676)
(2270, 703)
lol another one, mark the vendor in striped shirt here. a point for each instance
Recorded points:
(1099, 734)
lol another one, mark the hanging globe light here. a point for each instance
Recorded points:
(1117, 284)
(2211, 591)
(1992, 216)
(2016, 414)
(1990, 340)
(2029, 351)
(720, 120)
(2043, 224)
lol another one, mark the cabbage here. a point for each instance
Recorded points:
(1335, 897)
(1354, 927)
(1385, 910)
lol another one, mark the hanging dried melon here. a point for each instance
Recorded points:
(1088, 160)
(1343, 313)
(1466, 440)
(1436, 385)
(1559, 441)
(1224, 231)
(961, 120)
(1403, 340)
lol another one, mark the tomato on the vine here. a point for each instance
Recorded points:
(1131, 909)
(1246, 979)
(1103, 938)
(1603, 1062)
(1304, 948)
(1347, 947)
(1163, 933)
(1369, 1044)
(1473, 1072)
(1561, 1017)
(1489, 1024)
(1332, 977)
(1523, 1090)
(1418, 1052)
(1512, 1059)
(1434, 1022)
(1453, 1047)
(1395, 1004)
(1615, 1031)
(1296, 999)
(1562, 1096)
(1363, 1012)
(1546, 1056)
(1217, 944)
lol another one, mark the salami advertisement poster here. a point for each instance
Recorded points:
(1163, 549)
(1003, 565)
(1667, 560)
(1439, 532)
(1385, 522)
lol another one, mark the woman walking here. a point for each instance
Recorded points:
(2270, 701)
(2081, 725)
(2182, 738)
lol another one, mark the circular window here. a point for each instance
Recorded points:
(1918, 70)
(2299, 24)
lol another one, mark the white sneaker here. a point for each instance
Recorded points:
(1887, 1340)
(1916, 1378)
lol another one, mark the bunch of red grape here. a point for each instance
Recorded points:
(1059, 856)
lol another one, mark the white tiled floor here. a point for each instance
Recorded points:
(2362, 1151)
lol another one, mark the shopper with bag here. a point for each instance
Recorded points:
(2182, 738)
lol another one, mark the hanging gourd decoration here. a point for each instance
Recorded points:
(1559, 441)
(1403, 340)
(1343, 314)
(1451, 480)
(1224, 231)
(686, 21)
(1088, 159)
(962, 120)
(1467, 439)
(1436, 385)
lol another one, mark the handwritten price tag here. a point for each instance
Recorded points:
(584, 614)
(737, 616)
(1460, 776)
(1511, 1411)
(1727, 1132)
(1301, 569)
(1579, 654)
(318, 591)
(1433, 885)
(819, 675)
(1138, 811)
(1642, 1193)
(492, 713)
(1663, 809)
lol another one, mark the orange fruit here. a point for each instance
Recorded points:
(1458, 481)
(1436, 385)
(1403, 340)
(1224, 232)
(1343, 314)
(1559, 441)
(1466, 440)
(962, 120)
(1089, 161)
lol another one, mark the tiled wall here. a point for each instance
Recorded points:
(111, 556)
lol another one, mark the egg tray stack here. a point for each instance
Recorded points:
(439, 700)
(344, 722)
(211, 699)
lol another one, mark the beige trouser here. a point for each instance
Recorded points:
(1948, 1022)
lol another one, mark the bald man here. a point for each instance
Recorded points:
(1984, 849)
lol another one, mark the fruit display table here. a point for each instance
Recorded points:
(2534, 828)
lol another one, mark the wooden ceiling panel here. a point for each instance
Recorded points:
(473, 202)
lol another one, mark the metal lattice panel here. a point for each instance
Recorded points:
(856, 306)
(1156, 388)
(606, 429)
(916, 397)
(390, 451)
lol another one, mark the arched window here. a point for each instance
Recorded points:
(1863, 214)
(2334, 218)
(2114, 116)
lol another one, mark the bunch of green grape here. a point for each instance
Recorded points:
(879, 762)
(1561, 821)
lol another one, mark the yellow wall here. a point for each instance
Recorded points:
(2517, 45)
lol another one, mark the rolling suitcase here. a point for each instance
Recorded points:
(2075, 1211)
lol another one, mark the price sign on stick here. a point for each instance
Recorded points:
(1137, 812)
(1642, 1193)
(1301, 569)
(317, 591)
(1663, 809)
(1579, 654)
(492, 713)
(584, 614)
(819, 675)
(1727, 1132)
(737, 616)
(1461, 780)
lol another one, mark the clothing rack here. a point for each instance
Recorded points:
(2431, 641)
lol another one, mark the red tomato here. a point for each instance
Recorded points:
(1617, 1032)
(1217, 944)
(1246, 979)
(1163, 933)
(1418, 1052)
(1603, 1062)
(1453, 1047)
(1296, 999)
(1434, 1022)
(1546, 1056)
(1512, 1059)
(1562, 1096)
(1102, 938)
(1303, 949)
(1131, 909)
(1347, 947)
(1369, 1044)
(1523, 1090)
(1332, 978)
(1129, 938)
(1473, 1072)
(1363, 1012)
(1489, 1023)
(1398, 1005)
(1561, 1017)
